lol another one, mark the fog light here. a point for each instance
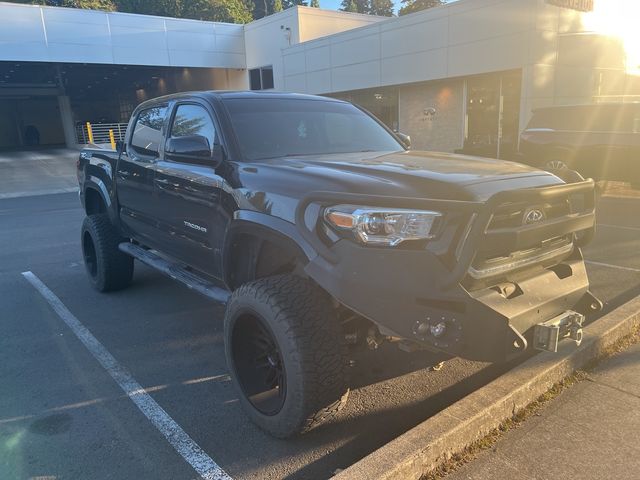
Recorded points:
(438, 329)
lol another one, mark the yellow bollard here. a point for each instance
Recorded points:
(112, 139)
(90, 132)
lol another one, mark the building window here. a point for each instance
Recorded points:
(261, 78)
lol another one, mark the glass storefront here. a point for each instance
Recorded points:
(493, 115)
(381, 102)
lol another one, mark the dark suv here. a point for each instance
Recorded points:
(599, 141)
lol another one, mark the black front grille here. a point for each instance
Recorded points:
(512, 215)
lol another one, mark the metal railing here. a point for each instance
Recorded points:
(100, 133)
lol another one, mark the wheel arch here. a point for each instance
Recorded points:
(94, 201)
(259, 245)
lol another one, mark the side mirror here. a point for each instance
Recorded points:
(405, 139)
(189, 147)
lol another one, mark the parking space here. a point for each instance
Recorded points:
(65, 417)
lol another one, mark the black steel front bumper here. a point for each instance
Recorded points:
(401, 289)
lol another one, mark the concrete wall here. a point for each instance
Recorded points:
(442, 131)
(466, 37)
(317, 23)
(31, 33)
(267, 38)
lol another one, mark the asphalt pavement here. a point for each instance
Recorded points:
(62, 415)
(37, 172)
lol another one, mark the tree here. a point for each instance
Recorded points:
(108, 5)
(383, 8)
(165, 8)
(315, 4)
(292, 3)
(233, 11)
(277, 6)
(355, 6)
(412, 6)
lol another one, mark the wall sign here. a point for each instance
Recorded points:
(580, 5)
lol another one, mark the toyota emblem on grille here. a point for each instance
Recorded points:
(533, 215)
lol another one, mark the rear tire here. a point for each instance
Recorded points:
(107, 267)
(286, 354)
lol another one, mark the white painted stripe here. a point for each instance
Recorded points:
(606, 225)
(175, 435)
(38, 192)
(629, 269)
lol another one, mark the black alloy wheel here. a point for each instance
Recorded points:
(259, 365)
(89, 254)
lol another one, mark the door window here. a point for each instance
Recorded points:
(193, 121)
(147, 132)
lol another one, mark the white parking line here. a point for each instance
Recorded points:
(608, 225)
(629, 269)
(175, 435)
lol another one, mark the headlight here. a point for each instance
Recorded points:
(383, 226)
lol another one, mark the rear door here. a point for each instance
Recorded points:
(135, 172)
(188, 189)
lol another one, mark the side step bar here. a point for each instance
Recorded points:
(176, 272)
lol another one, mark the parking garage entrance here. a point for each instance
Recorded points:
(30, 120)
(49, 104)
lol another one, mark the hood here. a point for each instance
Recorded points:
(402, 174)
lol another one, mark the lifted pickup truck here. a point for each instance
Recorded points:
(322, 232)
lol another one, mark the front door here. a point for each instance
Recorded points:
(493, 115)
(135, 172)
(188, 190)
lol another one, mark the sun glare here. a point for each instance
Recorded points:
(619, 18)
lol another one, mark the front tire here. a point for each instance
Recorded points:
(107, 267)
(285, 351)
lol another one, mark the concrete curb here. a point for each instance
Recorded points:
(435, 440)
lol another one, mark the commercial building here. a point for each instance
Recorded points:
(466, 74)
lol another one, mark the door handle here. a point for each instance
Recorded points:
(162, 183)
(124, 173)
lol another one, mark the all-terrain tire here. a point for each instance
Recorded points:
(304, 326)
(107, 267)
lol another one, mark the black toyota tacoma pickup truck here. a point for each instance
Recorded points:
(322, 232)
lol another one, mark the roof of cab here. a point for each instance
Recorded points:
(229, 94)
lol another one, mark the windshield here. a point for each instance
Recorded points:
(276, 127)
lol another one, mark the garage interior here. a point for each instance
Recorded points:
(47, 104)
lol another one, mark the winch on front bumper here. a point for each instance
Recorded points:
(482, 284)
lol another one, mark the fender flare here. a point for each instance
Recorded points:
(97, 185)
(266, 227)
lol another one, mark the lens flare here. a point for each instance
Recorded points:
(619, 18)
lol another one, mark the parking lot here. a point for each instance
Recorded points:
(63, 416)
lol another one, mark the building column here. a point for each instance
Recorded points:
(66, 117)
